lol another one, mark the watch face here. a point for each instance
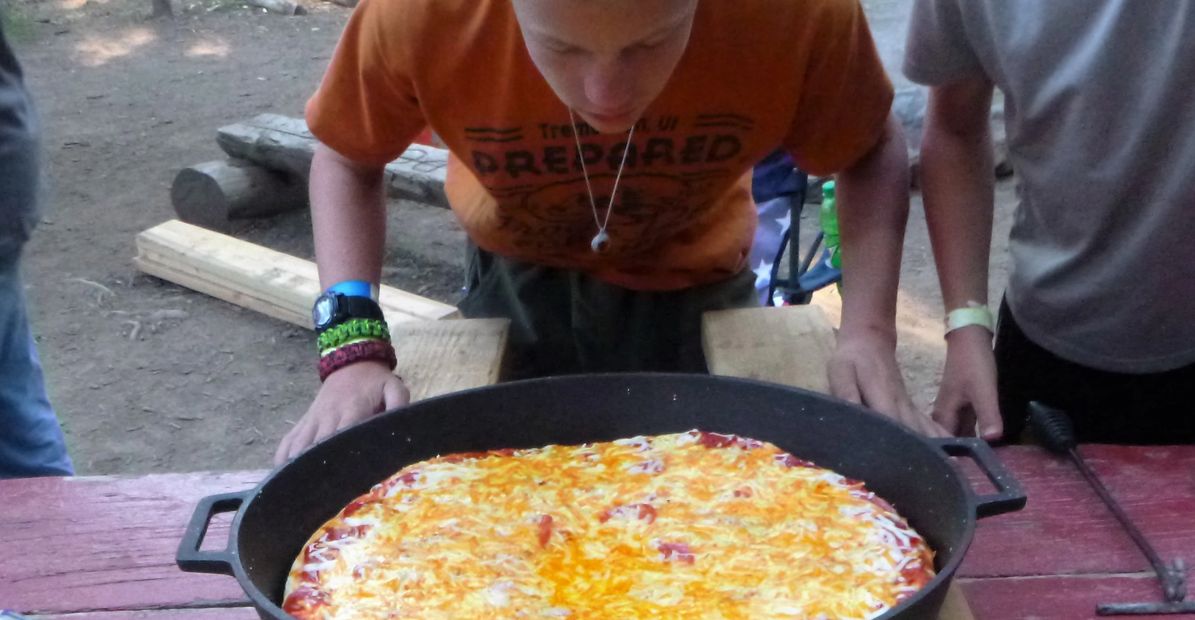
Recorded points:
(322, 311)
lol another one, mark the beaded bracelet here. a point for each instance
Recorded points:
(338, 358)
(353, 329)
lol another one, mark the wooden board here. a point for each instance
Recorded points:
(1065, 529)
(219, 613)
(108, 543)
(441, 357)
(787, 345)
(1061, 597)
(254, 277)
(434, 357)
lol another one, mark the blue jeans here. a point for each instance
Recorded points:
(31, 441)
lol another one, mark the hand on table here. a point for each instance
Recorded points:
(863, 370)
(350, 395)
(967, 394)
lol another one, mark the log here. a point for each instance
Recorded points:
(284, 144)
(283, 7)
(214, 193)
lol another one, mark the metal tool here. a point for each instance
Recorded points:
(1054, 429)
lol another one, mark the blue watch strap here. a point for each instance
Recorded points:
(355, 288)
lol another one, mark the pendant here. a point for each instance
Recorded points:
(601, 242)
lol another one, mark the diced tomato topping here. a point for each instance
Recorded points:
(545, 530)
(677, 552)
(317, 552)
(645, 512)
(715, 440)
(356, 505)
(341, 532)
(743, 492)
(718, 440)
(914, 574)
(304, 599)
(789, 460)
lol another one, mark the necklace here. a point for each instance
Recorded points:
(601, 241)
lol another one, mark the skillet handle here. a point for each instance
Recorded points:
(190, 558)
(1008, 497)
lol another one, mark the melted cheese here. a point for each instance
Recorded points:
(692, 525)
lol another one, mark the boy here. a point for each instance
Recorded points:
(1099, 314)
(601, 163)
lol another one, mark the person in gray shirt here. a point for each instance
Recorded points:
(31, 441)
(1099, 314)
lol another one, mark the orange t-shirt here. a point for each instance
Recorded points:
(757, 74)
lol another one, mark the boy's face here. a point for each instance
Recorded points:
(606, 59)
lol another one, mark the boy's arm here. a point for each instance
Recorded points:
(956, 173)
(873, 209)
(348, 217)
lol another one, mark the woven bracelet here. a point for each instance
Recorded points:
(379, 350)
(353, 329)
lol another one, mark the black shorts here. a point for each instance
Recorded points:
(565, 322)
(1106, 407)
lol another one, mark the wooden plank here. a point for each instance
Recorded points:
(1070, 597)
(788, 345)
(1065, 529)
(243, 273)
(441, 357)
(220, 613)
(108, 543)
(285, 144)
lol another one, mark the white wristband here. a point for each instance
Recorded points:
(974, 314)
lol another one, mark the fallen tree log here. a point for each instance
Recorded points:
(214, 193)
(284, 144)
(284, 7)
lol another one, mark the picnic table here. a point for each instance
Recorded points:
(103, 546)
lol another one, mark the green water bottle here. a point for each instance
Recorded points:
(828, 217)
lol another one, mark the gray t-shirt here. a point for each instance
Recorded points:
(18, 155)
(1100, 116)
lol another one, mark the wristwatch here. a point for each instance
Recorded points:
(332, 309)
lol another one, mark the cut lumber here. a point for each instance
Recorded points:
(789, 345)
(215, 193)
(441, 357)
(258, 278)
(285, 144)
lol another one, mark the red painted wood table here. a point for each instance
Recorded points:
(103, 547)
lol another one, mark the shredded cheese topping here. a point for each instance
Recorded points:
(690, 525)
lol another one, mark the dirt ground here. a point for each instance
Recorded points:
(148, 376)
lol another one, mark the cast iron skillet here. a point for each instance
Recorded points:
(275, 519)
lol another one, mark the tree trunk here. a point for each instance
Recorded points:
(284, 144)
(213, 194)
(285, 7)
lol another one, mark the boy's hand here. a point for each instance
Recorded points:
(863, 371)
(967, 395)
(349, 395)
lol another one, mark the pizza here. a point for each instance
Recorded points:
(688, 525)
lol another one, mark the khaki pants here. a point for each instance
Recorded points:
(565, 322)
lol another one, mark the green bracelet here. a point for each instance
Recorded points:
(353, 329)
